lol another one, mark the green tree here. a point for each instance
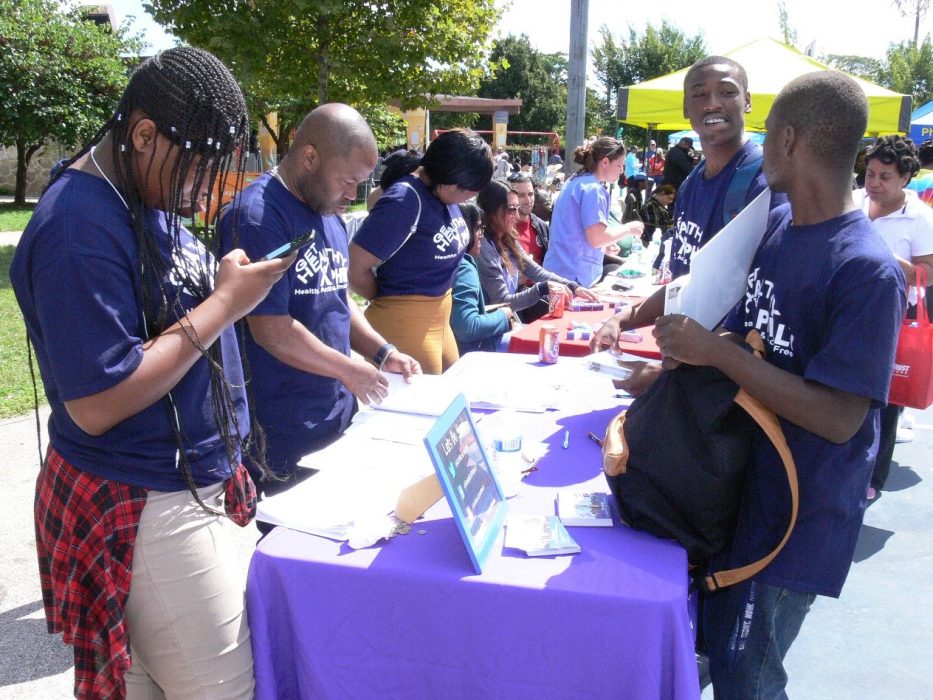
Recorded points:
(292, 55)
(60, 77)
(789, 34)
(870, 69)
(539, 80)
(388, 128)
(607, 57)
(910, 70)
(906, 68)
(637, 58)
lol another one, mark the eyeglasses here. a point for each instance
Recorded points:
(512, 210)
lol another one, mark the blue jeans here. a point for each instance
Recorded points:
(748, 629)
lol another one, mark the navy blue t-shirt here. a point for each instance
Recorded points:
(423, 262)
(76, 277)
(828, 300)
(698, 208)
(299, 411)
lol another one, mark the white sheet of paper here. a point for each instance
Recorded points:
(426, 394)
(719, 270)
(406, 428)
(365, 485)
(523, 388)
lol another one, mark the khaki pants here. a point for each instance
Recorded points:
(187, 623)
(418, 326)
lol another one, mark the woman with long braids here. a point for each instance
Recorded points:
(130, 316)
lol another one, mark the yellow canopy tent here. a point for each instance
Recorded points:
(770, 64)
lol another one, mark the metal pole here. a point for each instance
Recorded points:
(576, 81)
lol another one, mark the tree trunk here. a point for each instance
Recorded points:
(24, 154)
(279, 137)
(917, 25)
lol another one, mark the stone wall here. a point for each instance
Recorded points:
(37, 176)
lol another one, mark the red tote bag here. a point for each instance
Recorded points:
(912, 380)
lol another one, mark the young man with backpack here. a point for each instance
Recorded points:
(829, 322)
(716, 100)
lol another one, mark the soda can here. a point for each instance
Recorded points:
(555, 304)
(548, 344)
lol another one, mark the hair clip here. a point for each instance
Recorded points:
(209, 141)
(123, 148)
(217, 145)
(232, 129)
(187, 144)
(119, 117)
(173, 129)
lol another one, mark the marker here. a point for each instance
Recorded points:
(566, 443)
(595, 439)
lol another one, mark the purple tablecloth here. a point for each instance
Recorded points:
(410, 619)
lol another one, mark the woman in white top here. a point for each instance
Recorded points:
(906, 224)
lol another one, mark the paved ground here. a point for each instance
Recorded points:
(874, 642)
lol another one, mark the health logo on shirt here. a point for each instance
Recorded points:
(321, 270)
(451, 239)
(762, 314)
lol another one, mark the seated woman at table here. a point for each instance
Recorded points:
(580, 226)
(474, 327)
(503, 265)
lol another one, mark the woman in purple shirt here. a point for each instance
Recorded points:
(405, 255)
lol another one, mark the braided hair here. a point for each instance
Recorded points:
(194, 102)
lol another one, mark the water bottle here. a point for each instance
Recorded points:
(637, 249)
(506, 453)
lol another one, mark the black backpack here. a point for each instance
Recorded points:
(676, 459)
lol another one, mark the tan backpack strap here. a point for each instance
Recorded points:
(768, 422)
(615, 447)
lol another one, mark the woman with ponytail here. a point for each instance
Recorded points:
(580, 226)
(406, 253)
(131, 319)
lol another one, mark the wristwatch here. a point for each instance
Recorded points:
(382, 354)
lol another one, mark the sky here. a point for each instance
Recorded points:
(862, 27)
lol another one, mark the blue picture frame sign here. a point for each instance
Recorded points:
(469, 483)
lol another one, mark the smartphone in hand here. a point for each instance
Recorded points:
(288, 248)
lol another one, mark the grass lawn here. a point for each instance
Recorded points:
(14, 217)
(16, 392)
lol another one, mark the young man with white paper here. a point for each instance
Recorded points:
(716, 100)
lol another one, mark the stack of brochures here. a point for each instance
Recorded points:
(539, 535)
(584, 509)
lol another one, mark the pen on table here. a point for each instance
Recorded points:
(566, 443)
(595, 439)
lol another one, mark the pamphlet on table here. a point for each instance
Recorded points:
(584, 509)
(539, 536)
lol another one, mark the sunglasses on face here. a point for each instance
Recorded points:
(512, 209)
